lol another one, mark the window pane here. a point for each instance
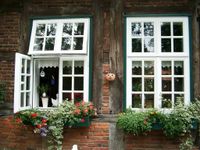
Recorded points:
(136, 100)
(166, 68)
(178, 84)
(149, 101)
(38, 44)
(67, 96)
(149, 68)
(28, 68)
(40, 30)
(78, 43)
(178, 45)
(166, 45)
(78, 97)
(22, 78)
(67, 29)
(28, 83)
(67, 83)
(148, 45)
(148, 29)
(78, 67)
(136, 68)
(78, 28)
(149, 84)
(166, 101)
(22, 100)
(23, 66)
(166, 84)
(22, 86)
(49, 44)
(165, 29)
(136, 84)
(178, 68)
(136, 29)
(136, 45)
(178, 28)
(78, 83)
(67, 67)
(178, 97)
(51, 29)
(66, 43)
(28, 99)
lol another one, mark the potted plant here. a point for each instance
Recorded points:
(43, 88)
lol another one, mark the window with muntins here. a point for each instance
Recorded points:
(157, 58)
(57, 67)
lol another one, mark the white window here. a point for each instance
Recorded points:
(157, 58)
(58, 63)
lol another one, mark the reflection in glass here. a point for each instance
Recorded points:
(23, 66)
(49, 45)
(28, 99)
(166, 84)
(67, 67)
(149, 84)
(165, 29)
(149, 68)
(178, 84)
(166, 45)
(178, 28)
(51, 29)
(136, 45)
(67, 83)
(78, 43)
(148, 100)
(66, 43)
(178, 67)
(178, 98)
(38, 44)
(78, 97)
(136, 68)
(78, 67)
(78, 28)
(40, 30)
(148, 29)
(166, 68)
(136, 84)
(178, 45)
(28, 83)
(136, 100)
(78, 83)
(166, 101)
(136, 29)
(148, 45)
(22, 100)
(67, 29)
(67, 96)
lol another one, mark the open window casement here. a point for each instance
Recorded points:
(23, 82)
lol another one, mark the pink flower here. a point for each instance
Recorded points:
(82, 120)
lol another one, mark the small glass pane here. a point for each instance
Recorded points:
(149, 68)
(67, 29)
(136, 29)
(40, 30)
(149, 84)
(178, 45)
(148, 29)
(66, 43)
(67, 96)
(166, 45)
(38, 44)
(22, 100)
(67, 83)
(28, 68)
(50, 42)
(23, 66)
(178, 98)
(136, 100)
(22, 86)
(136, 84)
(149, 101)
(166, 101)
(166, 68)
(178, 28)
(78, 83)
(28, 99)
(148, 45)
(166, 84)
(28, 83)
(178, 84)
(51, 29)
(22, 78)
(78, 43)
(178, 68)
(78, 67)
(67, 67)
(136, 45)
(165, 29)
(136, 68)
(78, 97)
(78, 28)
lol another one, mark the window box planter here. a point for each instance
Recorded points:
(85, 123)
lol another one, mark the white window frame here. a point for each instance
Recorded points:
(157, 56)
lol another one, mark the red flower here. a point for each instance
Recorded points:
(85, 111)
(34, 115)
(83, 103)
(39, 126)
(44, 120)
(77, 104)
(77, 111)
(82, 120)
(18, 120)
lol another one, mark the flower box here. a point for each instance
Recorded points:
(85, 123)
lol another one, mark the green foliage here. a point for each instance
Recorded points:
(186, 144)
(43, 88)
